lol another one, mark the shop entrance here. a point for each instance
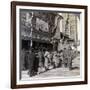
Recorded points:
(26, 44)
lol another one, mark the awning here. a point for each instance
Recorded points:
(35, 39)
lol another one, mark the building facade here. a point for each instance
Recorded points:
(47, 30)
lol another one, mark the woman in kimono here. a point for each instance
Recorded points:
(56, 59)
(46, 63)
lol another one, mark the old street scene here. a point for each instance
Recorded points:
(49, 44)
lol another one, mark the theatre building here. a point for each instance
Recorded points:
(37, 29)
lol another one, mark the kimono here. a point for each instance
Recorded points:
(56, 59)
(31, 63)
(46, 63)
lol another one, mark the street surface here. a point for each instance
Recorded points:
(57, 72)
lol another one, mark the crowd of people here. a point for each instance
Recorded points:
(44, 60)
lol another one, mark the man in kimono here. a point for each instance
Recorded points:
(31, 63)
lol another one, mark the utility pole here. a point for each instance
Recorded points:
(31, 31)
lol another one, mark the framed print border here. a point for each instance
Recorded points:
(14, 4)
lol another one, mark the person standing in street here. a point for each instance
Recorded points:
(56, 59)
(70, 58)
(40, 57)
(50, 57)
(31, 63)
(60, 58)
(46, 63)
(65, 57)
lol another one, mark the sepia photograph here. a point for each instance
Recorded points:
(49, 44)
